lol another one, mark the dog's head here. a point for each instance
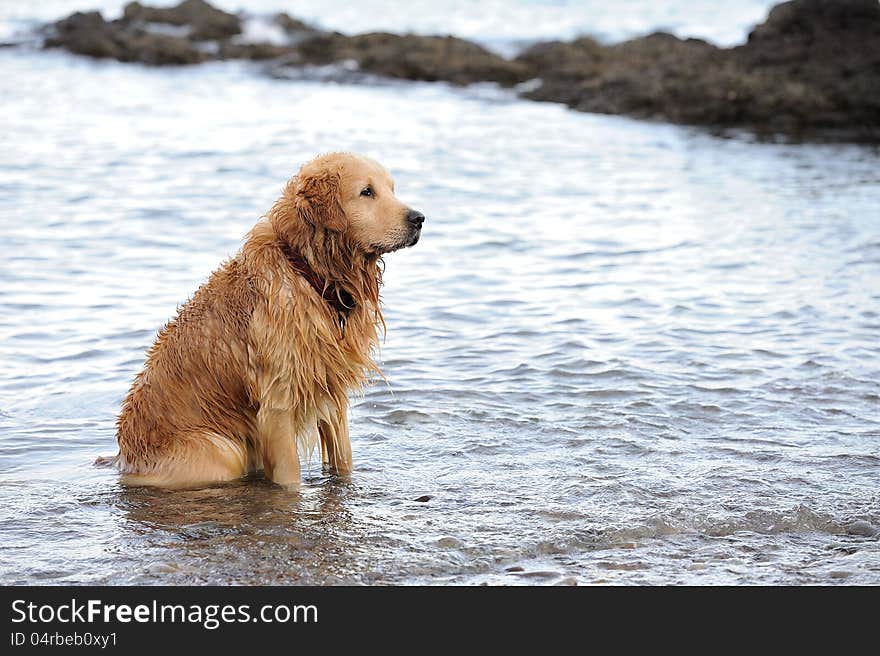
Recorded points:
(353, 195)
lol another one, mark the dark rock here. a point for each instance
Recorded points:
(409, 57)
(206, 23)
(812, 69)
(576, 59)
(424, 498)
(810, 20)
(291, 25)
(160, 50)
(413, 57)
(821, 61)
(661, 76)
(89, 34)
(85, 34)
(635, 77)
(254, 51)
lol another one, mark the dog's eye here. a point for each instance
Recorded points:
(368, 192)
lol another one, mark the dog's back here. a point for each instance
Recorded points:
(192, 393)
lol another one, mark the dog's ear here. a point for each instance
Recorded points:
(316, 198)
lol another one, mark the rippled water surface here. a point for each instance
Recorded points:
(622, 352)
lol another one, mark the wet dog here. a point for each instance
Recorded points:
(257, 366)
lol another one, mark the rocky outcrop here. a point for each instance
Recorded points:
(291, 25)
(254, 51)
(89, 34)
(411, 57)
(205, 23)
(198, 32)
(824, 60)
(629, 78)
(811, 70)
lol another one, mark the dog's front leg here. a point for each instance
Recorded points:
(278, 436)
(335, 443)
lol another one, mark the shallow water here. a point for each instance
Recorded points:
(622, 351)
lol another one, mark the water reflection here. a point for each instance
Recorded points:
(247, 532)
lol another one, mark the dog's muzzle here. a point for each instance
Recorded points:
(414, 219)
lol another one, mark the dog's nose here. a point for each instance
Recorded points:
(416, 218)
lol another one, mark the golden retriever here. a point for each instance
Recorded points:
(257, 366)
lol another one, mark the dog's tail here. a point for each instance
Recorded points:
(107, 461)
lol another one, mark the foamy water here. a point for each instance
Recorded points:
(622, 351)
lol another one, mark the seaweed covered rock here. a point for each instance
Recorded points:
(291, 25)
(253, 51)
(134, 37)
(85, 33)
(811, 69)
(412, 57)
(204, 21)
(648, 76)
(824, 57)
(89, 34)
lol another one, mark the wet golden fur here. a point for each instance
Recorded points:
(255, 368)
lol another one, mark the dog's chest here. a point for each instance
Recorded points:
(299, 348)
